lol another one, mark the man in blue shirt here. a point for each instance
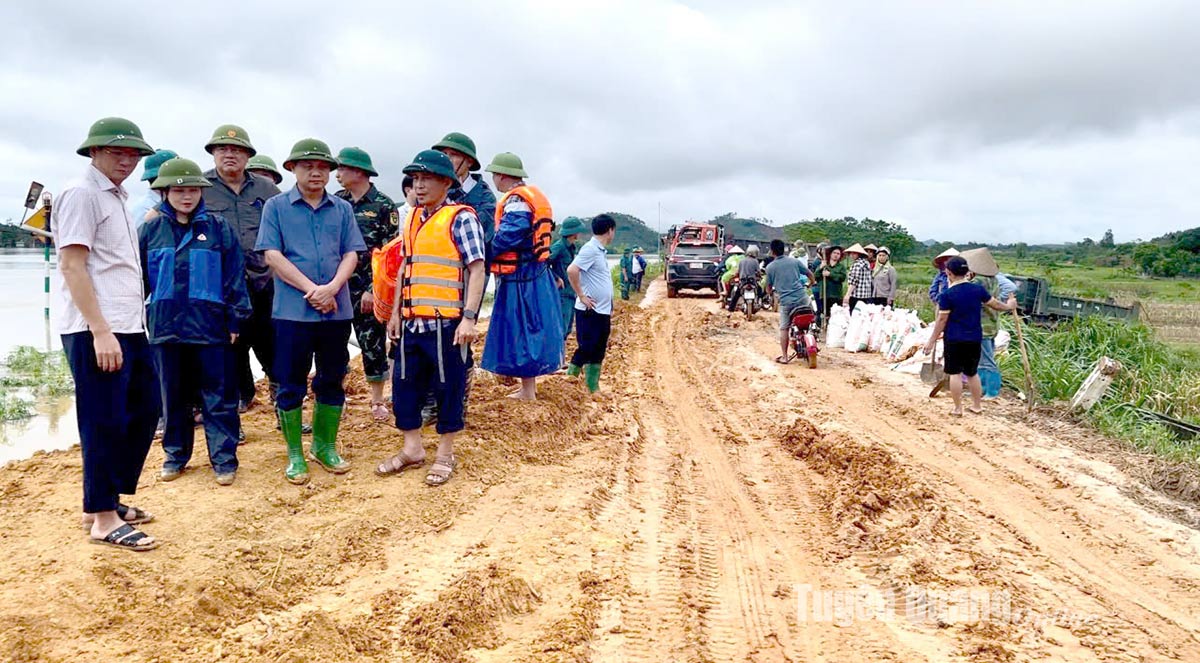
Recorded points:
(960, 317)
(591, 279)
(311, 243)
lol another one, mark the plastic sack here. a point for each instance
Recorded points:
(385, 268)
(836, 327)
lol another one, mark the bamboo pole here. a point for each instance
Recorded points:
(1030, 393)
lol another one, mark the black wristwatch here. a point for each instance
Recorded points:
(471, 315)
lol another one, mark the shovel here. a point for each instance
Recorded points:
(932, 373)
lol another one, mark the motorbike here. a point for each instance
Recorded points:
(803, 337)
(749, 299)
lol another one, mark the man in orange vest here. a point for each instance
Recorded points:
(525, 336)
(438, 294)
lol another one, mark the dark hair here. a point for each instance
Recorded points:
(778, 247)
(602, 223)
(406, 183)
(957, 266)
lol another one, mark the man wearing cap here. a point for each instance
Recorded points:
(626, 277)
(860, 286)
(469, 189)
(872, 252)
(140, 207)
(311, 242)
(116, 391)
(638, 268)
(264, 166)
(562, 253)
(239, 198)
(377, 221)
(437, 303)
(524, 337)
(196, 285)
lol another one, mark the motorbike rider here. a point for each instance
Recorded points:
(747, 272)
(733, 255)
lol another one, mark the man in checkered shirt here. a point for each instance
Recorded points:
(440, 289)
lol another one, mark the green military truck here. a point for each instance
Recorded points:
(1041, 306)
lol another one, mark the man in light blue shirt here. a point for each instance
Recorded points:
(311, 243)
(150, 200)
(591, 279)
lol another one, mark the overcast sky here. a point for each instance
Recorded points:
(995, 121)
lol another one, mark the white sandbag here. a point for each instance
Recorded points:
(1003, 338)
(836, 326)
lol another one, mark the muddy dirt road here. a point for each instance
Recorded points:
(712, 506)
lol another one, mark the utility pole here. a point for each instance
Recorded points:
(46, 201)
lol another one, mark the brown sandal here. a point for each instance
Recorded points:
(389, 467)
(379, 411)
(441, 471)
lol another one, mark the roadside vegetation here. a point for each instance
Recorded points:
(28, 373)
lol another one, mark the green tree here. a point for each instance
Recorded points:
(1107, 240)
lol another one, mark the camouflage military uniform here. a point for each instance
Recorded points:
(377, 219)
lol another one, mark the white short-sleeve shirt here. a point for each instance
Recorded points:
(91, 212)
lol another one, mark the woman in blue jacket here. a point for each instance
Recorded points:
(193, 269)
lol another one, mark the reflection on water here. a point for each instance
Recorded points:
(53, 428)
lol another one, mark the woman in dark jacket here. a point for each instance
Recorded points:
(193, 269)
(833, 275)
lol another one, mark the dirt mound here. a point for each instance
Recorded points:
(467, 614)
(566, 641)
(872, 499)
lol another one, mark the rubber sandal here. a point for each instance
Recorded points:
(439, 478)
(780, 360)
(379, 411)
(384, 469)
(130, 514)
(127, 537)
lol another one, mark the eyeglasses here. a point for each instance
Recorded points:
(122, 152)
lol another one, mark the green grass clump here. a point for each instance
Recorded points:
(1156, 376)
(44, 373)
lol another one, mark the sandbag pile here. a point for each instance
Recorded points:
(895, 333)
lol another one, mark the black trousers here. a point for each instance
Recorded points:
(188, 369)
(258, 334)
(117, 414)
(300, 345)
(591, 330)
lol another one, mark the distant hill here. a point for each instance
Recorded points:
(747, 229)
(632, 232)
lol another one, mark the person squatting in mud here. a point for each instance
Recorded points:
(433, 323)
(311, 242)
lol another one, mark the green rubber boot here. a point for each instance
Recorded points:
(573, 370)
(326, 419)
(289, 423)
(592, 374)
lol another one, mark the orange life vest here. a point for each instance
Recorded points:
(543, 228)
(385, 270)
(433, 272)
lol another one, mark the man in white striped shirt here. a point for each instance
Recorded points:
(103, 335)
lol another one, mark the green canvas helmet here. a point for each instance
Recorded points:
(264, 163)
(230, 134)
(462, 143)
(310, 149)
(179, 172)
(572, 225)
(151, 164)
(114, 132)
(355, 157)
(507, 163)
(434, 162)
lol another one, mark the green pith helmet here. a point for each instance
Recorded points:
(461, 143)
(507, 163)
(310, 149)
(264, 164)
(434, 162)
(179, 172)
(230, 134)
(114, 132)
(355, 157)
(572, 225)
(152, 162)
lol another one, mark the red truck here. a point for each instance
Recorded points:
(694, 254)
